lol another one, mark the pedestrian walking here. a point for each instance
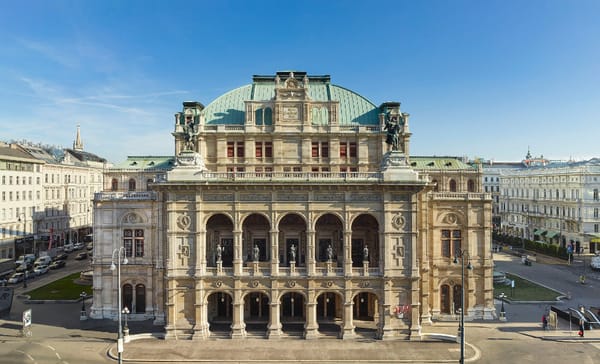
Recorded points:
(581, 327)
(544, 322)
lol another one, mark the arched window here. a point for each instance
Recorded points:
(258, 117)
(268, 120)
(471, 185)
(114, 184)
(132, 184)
(436, 186)
(140, 298)
(445, 299)
(452, 185)
(127, 296)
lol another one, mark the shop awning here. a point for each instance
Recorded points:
(551, 234)
(540, 232)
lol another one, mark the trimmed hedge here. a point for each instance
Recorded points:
(546, 249)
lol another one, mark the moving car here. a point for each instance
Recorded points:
(61, 256)
(40, 269)
(57, 264)
(16, 278)
(81, 256)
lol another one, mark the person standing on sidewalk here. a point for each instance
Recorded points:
(581, 327)
(545, 322)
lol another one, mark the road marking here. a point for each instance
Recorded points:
(26, 354)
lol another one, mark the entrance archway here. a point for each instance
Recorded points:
(256, 312)
(293, 312)
(330, 313)
(365, 313)
(220, 312)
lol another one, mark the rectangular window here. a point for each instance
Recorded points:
(315, 149)
(240, 149)
(258, 146)
(230, 149)
(139, 242)
(352, 150)
(451, 242)
(595, 228)
(595, 194)
(128, 242)
(268, 149)
(343, 150)
(325, 149)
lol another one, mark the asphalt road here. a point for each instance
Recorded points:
(60, 337)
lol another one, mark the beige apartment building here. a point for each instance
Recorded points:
(292, 207)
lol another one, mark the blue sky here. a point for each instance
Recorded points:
(479, 78)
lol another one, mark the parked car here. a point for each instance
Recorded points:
(40, 269)
(81, 256)
(16, 278)
(57, 264)
(595, 263)
(90, 246)
(69, 248)
(45, 260)
(61, 256)
(78, 246)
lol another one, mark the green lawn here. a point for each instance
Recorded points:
(62, 289)
(525, 290)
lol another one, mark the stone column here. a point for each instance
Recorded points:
(274, 330)
(201, 328)
(311, 328)
(348, 253)
(171, 318)
(237, 253)
(200, 252)
(310, 252)
(238, 326)
(274, 252)
(348, 329)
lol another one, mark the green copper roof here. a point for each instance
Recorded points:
(354, 109)
(438, 163)
(146, 162)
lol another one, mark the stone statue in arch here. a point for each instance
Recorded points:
(219, 252)
(255, 253)
(329, 253)
(293, 253)
(365, 253)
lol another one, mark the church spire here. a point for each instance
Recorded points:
(78, 144)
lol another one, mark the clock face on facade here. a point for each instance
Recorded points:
(290, 112)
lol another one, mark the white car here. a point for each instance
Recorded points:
(78, 246)
(16, 278)
(595, 263)
(40, 269)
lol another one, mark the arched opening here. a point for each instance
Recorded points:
(140, 298)
(436, 186)
(330, 313)
(292, 240)
(219, 241)
(220, 312)
(131, 184)
(471, 185)
(256, 240)
(365, 312)
(127, 299)
(114, 184)
(329, 240)
(293, 316)
(365, 234)
(452, 185)
(450, 299)
(258, 117)
(256, 312)
(268, 116)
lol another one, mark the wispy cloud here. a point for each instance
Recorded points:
(56, 54)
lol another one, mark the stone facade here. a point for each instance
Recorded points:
(294, 208)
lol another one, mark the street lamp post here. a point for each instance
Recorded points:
(126, 328)
(25, 274)
(461, 254)
(120, 253)
(502, 311)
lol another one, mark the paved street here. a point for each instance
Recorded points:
(59, 336)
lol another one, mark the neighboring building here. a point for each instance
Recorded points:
(492, 171)
(553, 202)
(49, 190)
(20, 189)
(286, 212)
